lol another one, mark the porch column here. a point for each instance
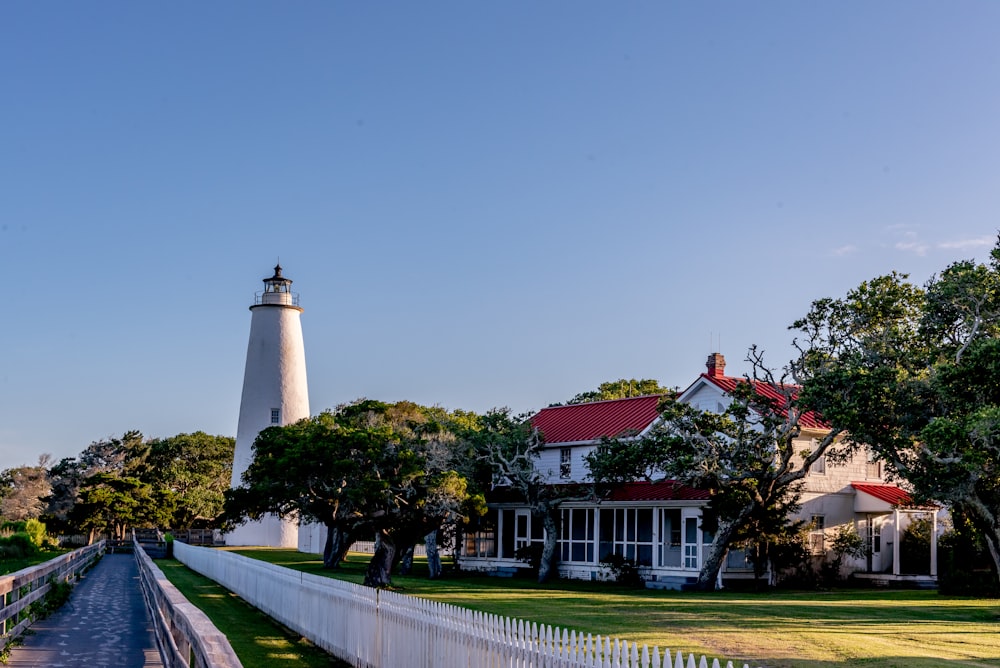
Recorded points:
(895, 541)
(934, 544)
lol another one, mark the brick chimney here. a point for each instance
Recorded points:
(716, 365)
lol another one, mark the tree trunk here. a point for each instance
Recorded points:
(338, 542)
(406, 561)
(380, 567)
(711, 565)
(550, 558)
(433, 556)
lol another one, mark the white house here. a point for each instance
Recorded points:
(658, 524)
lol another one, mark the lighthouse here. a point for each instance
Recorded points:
(274, 393)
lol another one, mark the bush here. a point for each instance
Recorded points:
(530, 554)
(57, 595)
(965, 567)
(624, 570)
(915, 547)
(36, 531)
(19, 526)
(846, 543)
(17, 546)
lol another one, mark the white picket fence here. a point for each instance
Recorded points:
(419, 550)
(370, 628)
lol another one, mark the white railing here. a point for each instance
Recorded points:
(22, 588)
(371, 628)
(184, 634)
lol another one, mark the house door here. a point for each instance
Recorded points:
(690, 542)
(875, 543)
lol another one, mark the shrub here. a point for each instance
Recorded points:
(17, 546)
(915, 547)
(965, 567)
(57, 595)
(530, 554)
(624, 570)
(36, 532)
(13, 527)
(846, 543)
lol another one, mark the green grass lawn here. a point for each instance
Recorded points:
(256, 639)
(8, 566)
(810, 629)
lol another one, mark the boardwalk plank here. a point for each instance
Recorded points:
(104, 624)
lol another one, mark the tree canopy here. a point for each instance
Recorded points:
(362, 468)
(911, 372)
(122, 482)
(620, 389)
(23, 491)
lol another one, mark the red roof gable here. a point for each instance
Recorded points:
(891, 494)
(808, 420)
(592, 421)
(663, 490)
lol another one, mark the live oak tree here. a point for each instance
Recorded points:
(750, 457)
(363, 468)
(196, 468)
(912, 373)
(113, 503)
(510, 446)
(175, 482)
(620, 389)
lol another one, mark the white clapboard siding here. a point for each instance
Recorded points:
(371, 628)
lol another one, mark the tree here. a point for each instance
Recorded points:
(65, 478)
(509, 445)
(113, 504)
(910, 373)
(371, 467)
(196, 468)
(620, 389)
(25, 489)
(749, 457)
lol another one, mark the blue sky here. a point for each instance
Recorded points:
(481, 204)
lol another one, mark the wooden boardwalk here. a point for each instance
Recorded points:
(105, 624)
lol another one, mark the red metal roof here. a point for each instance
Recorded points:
(595, 420)
(663, 490)
(808, 420)
(891, 494)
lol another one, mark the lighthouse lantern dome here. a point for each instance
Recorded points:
(277, 290)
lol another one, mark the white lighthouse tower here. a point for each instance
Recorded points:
(274, 393)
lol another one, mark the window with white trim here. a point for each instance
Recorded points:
(275, 416)
(565, 462)
(817, 534)
(873, 467)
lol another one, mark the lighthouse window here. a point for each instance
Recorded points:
(275, 416)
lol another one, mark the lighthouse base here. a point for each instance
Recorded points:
(269, 531)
